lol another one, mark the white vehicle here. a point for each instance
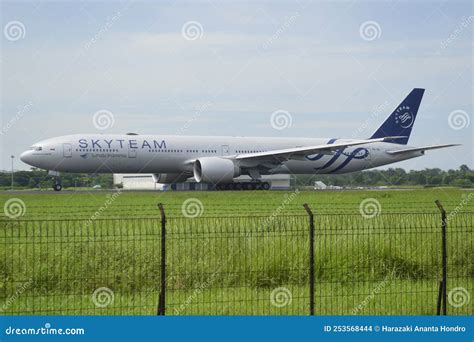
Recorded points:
(219, 159)
(318, 185)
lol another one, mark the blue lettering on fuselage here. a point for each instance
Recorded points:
(83, 143)
(119, 143)
(95, 143)
(161, 144)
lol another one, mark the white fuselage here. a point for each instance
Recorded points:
(120, 153)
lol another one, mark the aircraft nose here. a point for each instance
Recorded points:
(26, 157)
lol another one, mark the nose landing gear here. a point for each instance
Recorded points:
(57, 186)
(56, 180)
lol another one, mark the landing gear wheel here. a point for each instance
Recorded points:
(265, 186)
(253, 186)
(57, 187)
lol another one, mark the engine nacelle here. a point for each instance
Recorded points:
(170, 178)
(215, 170)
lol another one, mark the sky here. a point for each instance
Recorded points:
(326, 68)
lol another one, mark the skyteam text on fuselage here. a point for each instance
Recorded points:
(219, 159)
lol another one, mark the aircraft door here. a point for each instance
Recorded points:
(67, 150)
(225, 150)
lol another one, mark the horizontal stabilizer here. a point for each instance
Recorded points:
(434, 147)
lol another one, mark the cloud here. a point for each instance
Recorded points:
(153, 79)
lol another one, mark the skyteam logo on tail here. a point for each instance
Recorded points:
(404, 117)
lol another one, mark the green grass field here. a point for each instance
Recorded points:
(242, 253)
(47, 204)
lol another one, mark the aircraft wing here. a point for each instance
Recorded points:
(433, 147)
(300, 152)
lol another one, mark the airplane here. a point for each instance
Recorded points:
(219, 159)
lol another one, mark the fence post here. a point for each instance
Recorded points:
(311, 258)
(440, 295)
(444, 254)
(162, 297)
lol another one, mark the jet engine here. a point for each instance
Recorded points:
(215, 170)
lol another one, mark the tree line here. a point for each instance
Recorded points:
(36, 178)
(461, 177)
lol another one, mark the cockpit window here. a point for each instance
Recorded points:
(36, 148)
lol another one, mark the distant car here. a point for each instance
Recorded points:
(97, 186)
(318, 185)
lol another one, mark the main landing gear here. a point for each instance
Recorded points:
(243, 186)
